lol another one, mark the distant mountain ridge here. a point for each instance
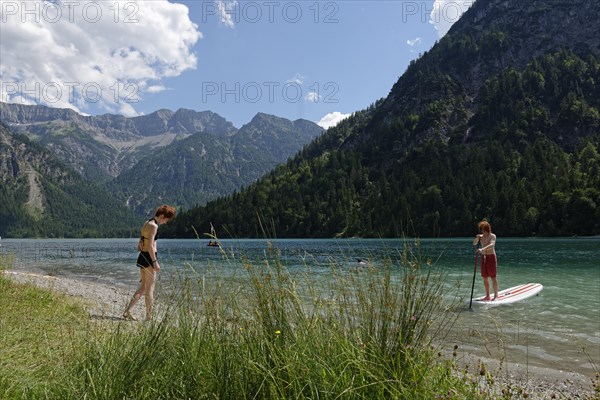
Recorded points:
(203, 167)
(182, 121)
(183, 158)
(100, 147)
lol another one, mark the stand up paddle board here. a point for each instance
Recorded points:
(511, 295)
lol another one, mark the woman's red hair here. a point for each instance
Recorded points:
(167, 211)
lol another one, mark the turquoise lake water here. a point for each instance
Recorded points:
(559, 329)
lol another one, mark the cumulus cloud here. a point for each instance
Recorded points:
(86, 54)
(446, 12)
(332, 119)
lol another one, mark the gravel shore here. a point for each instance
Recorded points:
(102, 301)
(107, 302)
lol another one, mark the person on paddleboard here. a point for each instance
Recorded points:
(489, 262)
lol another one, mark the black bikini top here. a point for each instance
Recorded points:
(151, 219)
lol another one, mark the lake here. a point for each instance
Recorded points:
(559, 329)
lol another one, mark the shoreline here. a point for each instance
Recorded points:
(102, 301)
(106, 302)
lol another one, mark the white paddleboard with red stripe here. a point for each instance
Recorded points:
(511, 295)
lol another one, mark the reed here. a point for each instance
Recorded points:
(362, 333)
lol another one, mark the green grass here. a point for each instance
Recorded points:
(39, 331)
(265, 334)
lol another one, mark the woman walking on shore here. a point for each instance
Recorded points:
(147, 261)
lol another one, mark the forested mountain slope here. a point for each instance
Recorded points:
(499, 120)
(41, 196)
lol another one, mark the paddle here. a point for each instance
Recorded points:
(474, 273)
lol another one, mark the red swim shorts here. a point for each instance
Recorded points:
(488, 266)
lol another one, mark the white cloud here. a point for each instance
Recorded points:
(332, 119)
(312, 97)
(85, 54)
(298, 79)
(446, 12)
(156, 89)
(224, 9)
(22, 100)
(127, 110)
(414, 42)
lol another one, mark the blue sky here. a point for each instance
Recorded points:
(317, 60)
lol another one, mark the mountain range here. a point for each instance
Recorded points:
(500, 120)
(184, 158)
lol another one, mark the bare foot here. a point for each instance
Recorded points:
(128, 316)
(486, 298)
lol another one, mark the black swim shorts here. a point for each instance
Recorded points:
(144, 260)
